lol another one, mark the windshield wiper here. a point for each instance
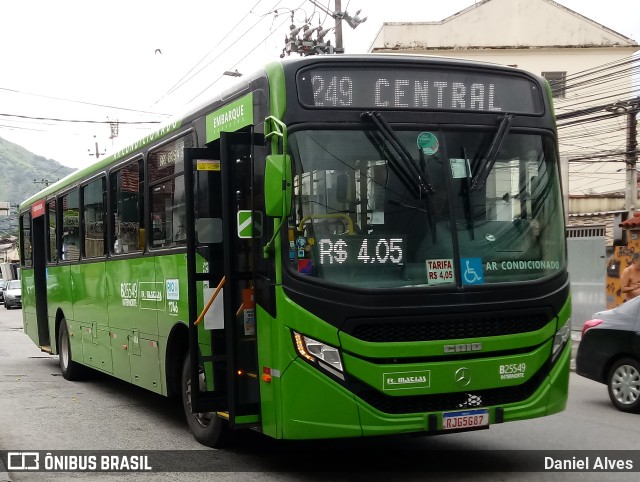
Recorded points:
(465, 187)
(404, 164)
(489, 160)
(405, 167)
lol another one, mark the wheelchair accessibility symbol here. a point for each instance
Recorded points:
(472, 271)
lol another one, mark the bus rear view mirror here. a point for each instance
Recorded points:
(209, 230)
(277, 185)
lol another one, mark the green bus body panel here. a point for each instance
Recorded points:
(89, 293)
(305, 394)
(435, 348)
(277, 91)
(119, 313)
(29, 305)
(400, 380)
(125, 279)
(269, 391)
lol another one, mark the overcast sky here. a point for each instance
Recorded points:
(143, 60)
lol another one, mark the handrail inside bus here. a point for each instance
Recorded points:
(328, 216)
(213, 297)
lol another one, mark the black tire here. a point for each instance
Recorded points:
(70, 369)
(207, 428)
(623, 382)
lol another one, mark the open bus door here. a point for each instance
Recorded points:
(39, 236)
(222, 340)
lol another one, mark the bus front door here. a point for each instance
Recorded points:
(222, 339)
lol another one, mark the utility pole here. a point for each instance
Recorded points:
(307, 45)
(630, 108)
(97, 152)
(631, 157)
(338, 31)
(114, 125)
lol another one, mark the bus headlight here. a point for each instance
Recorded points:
(560, 340)
(326, 356)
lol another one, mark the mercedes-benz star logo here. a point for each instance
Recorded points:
(463, 376)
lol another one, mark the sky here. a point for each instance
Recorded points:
(71, 68)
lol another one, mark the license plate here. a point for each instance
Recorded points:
(466, 419)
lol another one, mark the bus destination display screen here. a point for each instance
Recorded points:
(417, 88)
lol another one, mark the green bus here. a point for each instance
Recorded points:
(340, 246)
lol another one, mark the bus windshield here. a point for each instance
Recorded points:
(360, 217)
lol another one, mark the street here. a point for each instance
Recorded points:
(40, 410)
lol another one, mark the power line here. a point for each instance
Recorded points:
(81, 102)
(248, 53)
(186, 77)
(76, 120)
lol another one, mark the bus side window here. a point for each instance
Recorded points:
(70, 226)
(166, 193)
(52, 218)
(127, 206)
(93, 219)
(25, 240)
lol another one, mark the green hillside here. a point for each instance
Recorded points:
(19, 167)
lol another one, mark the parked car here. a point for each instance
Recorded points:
(609, 353)
(2, 285)
(13, 294)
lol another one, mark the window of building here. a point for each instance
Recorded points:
(127, 207)
(557, 82)
(167, 198)
(52, 241)
(93, 218)
(70, 246)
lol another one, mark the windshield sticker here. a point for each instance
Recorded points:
(305, 266)
(458, 168)
(533, 264)
(472, 271)
(440, 271)
(428, 143)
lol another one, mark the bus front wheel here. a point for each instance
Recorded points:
(70, 369)
(207, 428)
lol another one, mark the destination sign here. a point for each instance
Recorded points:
(418, 88)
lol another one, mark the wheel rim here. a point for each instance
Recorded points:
(203, 419)
(625, 384)
(64, 352)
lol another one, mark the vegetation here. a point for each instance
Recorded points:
(18, 169)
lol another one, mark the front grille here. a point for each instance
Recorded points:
(445, 327)
(452, 401)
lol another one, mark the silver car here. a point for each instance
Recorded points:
(13, 294)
